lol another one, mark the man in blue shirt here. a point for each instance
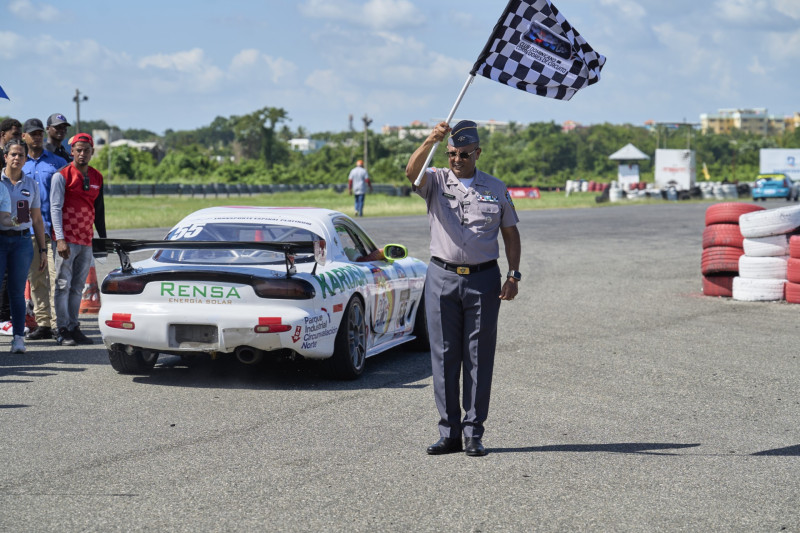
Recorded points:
(40, 166)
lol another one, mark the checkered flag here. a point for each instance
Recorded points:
(535, 49)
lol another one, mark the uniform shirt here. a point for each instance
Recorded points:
(5, 200)
(358, 178)
(465, 222)
(26, 190)
(42, 170)
(73, 209)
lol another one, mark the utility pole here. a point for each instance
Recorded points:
(367, 122)
(78, 99)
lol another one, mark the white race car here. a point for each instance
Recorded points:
(255, 280)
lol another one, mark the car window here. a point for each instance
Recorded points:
(351, 245)
(233, 232)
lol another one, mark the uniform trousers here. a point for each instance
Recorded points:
(43, 285)
(462, 313)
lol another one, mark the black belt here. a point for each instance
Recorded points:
(14, 232)
(464, 269)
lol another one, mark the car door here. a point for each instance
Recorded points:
(382, 308)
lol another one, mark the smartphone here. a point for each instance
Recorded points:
(23, 213)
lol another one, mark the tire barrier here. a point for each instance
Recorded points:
(720, 259)
(793, 271)
(722, 247)
(764, 267)
(718, 284)
(722, 235)
(778, 221)
(758, 290)
(772, 246)
(729, 212)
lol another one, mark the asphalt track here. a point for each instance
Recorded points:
(623, 400)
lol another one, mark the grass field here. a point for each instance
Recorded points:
(165, 211)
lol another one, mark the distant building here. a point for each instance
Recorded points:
(570, 125)
(151, 147)
(420, 130)
(306, 146)
(755, 121)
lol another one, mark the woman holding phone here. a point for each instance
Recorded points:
(16, 252)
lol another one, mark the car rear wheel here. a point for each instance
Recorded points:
(131, 359)
(350, 346)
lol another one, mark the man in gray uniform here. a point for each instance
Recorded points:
(467, 209)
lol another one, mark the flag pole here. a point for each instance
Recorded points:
(449, 118)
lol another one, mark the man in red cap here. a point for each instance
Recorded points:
(76, 203)
(356, 182)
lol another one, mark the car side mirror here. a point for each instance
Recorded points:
(394, 252)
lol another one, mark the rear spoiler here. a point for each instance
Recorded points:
(123, 248)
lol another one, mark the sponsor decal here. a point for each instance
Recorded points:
(339, 280)
(338, 308)
(317, 328)
(296, 334)
(384, 303)
(199, 294)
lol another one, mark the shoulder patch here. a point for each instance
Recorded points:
(510, 201)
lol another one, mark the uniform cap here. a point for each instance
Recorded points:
(464, 133)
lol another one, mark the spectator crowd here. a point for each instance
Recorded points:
(49, 203)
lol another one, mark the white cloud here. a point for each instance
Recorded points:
(629, 8)
(25, 9)
(756, 67)
(190, 69)
(376, 14)
(790, 8)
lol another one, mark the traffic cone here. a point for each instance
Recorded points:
(30, 319)
(90, 298)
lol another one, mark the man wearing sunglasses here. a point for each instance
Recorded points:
(76, 204)
(467, 209)
(56, 131)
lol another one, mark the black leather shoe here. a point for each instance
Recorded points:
(474, 447)
(78, 336)
(445, 445)
(40, 333)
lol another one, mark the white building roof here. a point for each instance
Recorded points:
(628, 153)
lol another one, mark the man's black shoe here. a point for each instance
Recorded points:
(40, 333)
(79, 337)
(474, 447)
(64, 338)
(445, 445)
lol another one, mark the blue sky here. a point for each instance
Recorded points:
(179, 64)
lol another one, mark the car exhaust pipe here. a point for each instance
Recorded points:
(248, 355)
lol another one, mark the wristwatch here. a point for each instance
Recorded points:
(515, 274)
(42, 250)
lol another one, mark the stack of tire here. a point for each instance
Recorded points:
(723, 246)
(793, 271)
(763, 269)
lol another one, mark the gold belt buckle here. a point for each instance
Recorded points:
(462, 270)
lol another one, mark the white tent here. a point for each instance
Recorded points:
(628, 153)
(628, 171)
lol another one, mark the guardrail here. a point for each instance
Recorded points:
(232, 189)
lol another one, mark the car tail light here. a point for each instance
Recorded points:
(284, 289)
(123, 285)
(121, 321)
(270, 324)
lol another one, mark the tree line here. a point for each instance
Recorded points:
(254, 148)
